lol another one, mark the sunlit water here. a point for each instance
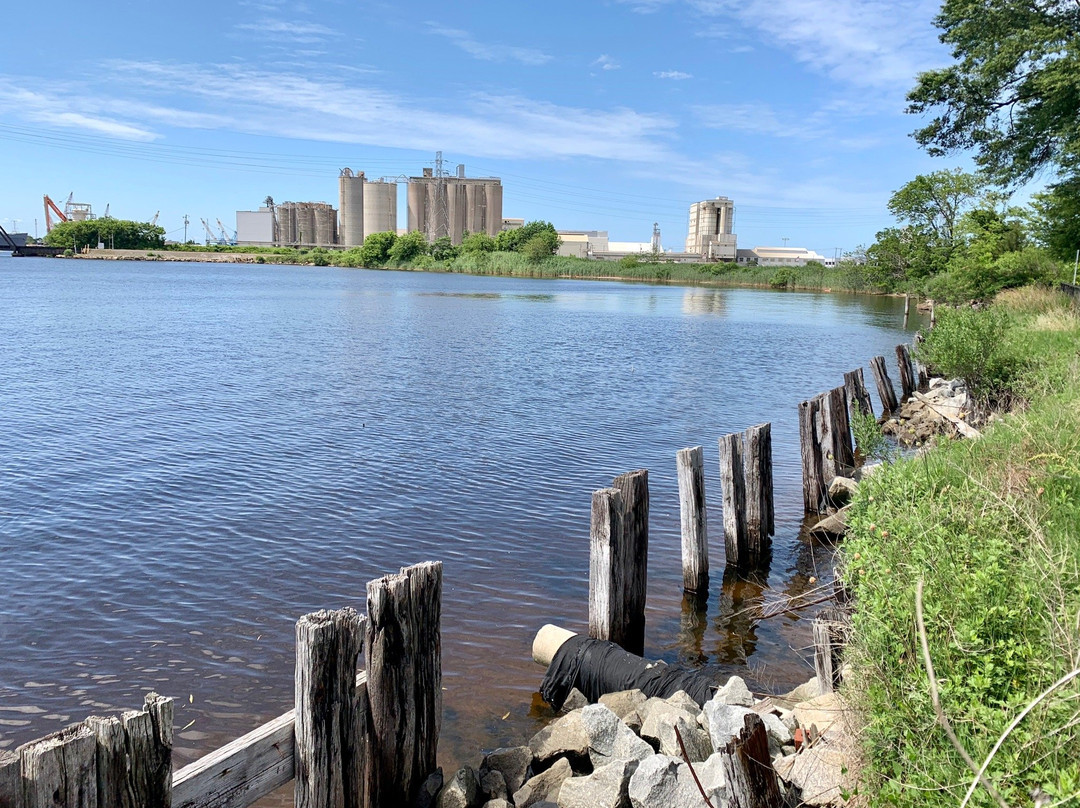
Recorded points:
(193, 456)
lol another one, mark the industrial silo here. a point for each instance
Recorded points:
(494, 192)
(380, 207)
(417, 207)
(353, 207)
(326, 218)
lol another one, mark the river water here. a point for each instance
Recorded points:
(192, 456)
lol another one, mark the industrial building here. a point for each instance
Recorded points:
(711, 233)
(779, 256)
(443, 205)
(288, 224)
(582, 243)
(380, 207)
(255, 228)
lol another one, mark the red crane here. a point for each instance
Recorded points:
(48, 219)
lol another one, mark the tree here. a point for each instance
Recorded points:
(375, 251)
(120, 234)
(477, 243)
(1013, 93)
(538, 248)
(515, 240)
(1054, 220)
(443, 249)
(408, 247)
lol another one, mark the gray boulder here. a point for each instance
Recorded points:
(512, 762)
(711, 775)
(779, 735)
(735, 692)
(683, 701)
(606, 787)
(493, 785)
(544, 786)
(498, 804)
(429, 791)
(575, 701)
(609, 738)
(724, 721)
(563, 737)
(656, 782)
(842, 489)
(659, 730)
(623, 702)
(633, 720)
(463, 790)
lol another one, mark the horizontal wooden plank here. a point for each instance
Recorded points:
(245, 770)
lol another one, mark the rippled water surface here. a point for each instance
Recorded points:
(192, 456)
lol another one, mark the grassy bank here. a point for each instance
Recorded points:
(848, 278)
(992, 528)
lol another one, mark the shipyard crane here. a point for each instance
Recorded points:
(225, 234)
(154, 220)
(106, 214)
(210, 237)
(50, 205)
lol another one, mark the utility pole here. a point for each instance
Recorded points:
(185, 227)
(442, 203)
(35, 230)
(1076, 264)
(785, 240)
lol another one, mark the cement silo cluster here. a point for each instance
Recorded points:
(443, 205)
(365, 207)
(305, 224)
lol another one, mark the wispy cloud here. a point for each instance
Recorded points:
(489, 51)
(605, 62)
(334, 109)
(674, 75)
(73, 113)
(755, 118)
(290, 30)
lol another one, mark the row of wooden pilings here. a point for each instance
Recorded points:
(619, 532)
(354, 739)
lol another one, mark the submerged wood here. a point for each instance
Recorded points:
(327, 752)
(605, 563)
(855, 386)
(748, 769)
(733, 490)
(695, 540)
(634, 488)
(403, 649)
(884, 385)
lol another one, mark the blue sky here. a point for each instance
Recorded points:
(605, 115)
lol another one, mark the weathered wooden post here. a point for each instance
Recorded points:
(403, 651)
(328, 746)
(838, 450)
(856, 392)
(10, 780)
(748, 769)
(933, 314)
(813, 486)
(907, 372)
(884, 385)
(907, 308)
(829, 636)
(606, 564)
(60, 771)
(760, 513)
(733, 489)
(634, 488)
(695, 536)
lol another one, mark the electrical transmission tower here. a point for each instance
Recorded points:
(441, 219)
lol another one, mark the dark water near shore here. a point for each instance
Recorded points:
(192, 456)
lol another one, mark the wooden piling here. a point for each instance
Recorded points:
(60, 771)
(403, 651)
(733, 490)
(695, 539)
(757, 466)
(829, 632)
(856, 392)
(11, 795)
(148, 739)
(884, 385)
(328, 747)
(634, 488)
(748, 770)
(606, 564)
(907, 372)
(814, 488)
(837, 448)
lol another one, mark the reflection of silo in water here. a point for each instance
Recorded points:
(380, 207)
(353, 207)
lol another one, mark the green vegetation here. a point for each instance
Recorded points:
(992, 528)
(117, 234)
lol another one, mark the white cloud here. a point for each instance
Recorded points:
(489, 51)
(72, 113)
(605, 62)
(675, 75)
(755, 118)
(290, 31)
(333, 109)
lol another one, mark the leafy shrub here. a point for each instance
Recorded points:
(408, 247)
(869, 439)
(782, 278)
(970, 344)
(69, 253)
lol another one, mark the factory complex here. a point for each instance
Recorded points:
(441, 204)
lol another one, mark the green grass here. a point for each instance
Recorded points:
(992, 527)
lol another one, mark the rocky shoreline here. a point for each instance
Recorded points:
(630, 751)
